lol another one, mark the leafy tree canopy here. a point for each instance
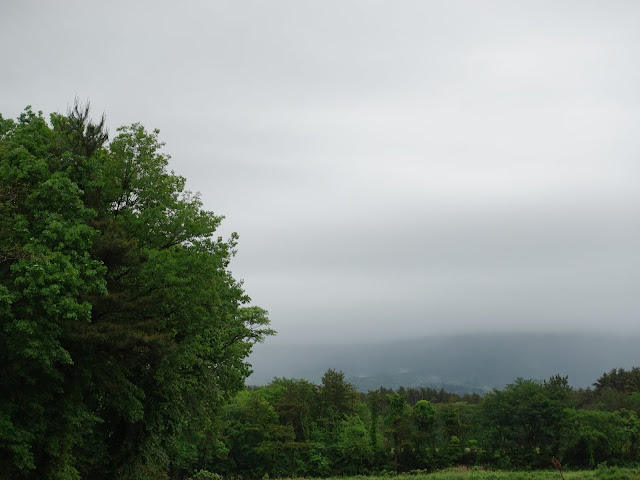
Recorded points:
(121, 326)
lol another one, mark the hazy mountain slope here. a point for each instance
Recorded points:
(474, 361)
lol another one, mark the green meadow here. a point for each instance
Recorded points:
(605, 473)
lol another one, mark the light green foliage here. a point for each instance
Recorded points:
(46, 274)
(593, 437)
(318, 463)
(601, 474)
(462, 473)
(354, 445)
(257, 442)
(424, 414)
(122, 330)
(205, 475)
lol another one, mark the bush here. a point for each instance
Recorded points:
(206, 475)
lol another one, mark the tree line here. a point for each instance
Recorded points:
(294, 428)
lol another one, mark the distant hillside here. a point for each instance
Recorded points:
(460, 363)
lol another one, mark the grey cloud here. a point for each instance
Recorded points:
(393, 168)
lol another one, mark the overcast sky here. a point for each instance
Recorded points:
(394, 168)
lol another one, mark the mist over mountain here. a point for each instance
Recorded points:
(459, 363)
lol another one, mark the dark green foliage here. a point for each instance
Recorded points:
(520, 427)
(621, 380)
(398, 429)
(524, 420)
(337, 397)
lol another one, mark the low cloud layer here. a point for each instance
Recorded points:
(394, 169)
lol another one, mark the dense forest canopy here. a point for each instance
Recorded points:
(296, 428)
(122, 329)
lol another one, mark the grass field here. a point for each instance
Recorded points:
(611, 473)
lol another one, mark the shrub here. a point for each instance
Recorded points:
(206, 475)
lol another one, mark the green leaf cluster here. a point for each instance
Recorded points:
(293, 428)
(122, 330)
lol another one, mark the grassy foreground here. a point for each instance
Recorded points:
(611, 473)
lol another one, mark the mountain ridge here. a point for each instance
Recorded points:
(465, 363)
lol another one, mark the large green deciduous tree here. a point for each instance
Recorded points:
(122, 329)
(523, 421)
